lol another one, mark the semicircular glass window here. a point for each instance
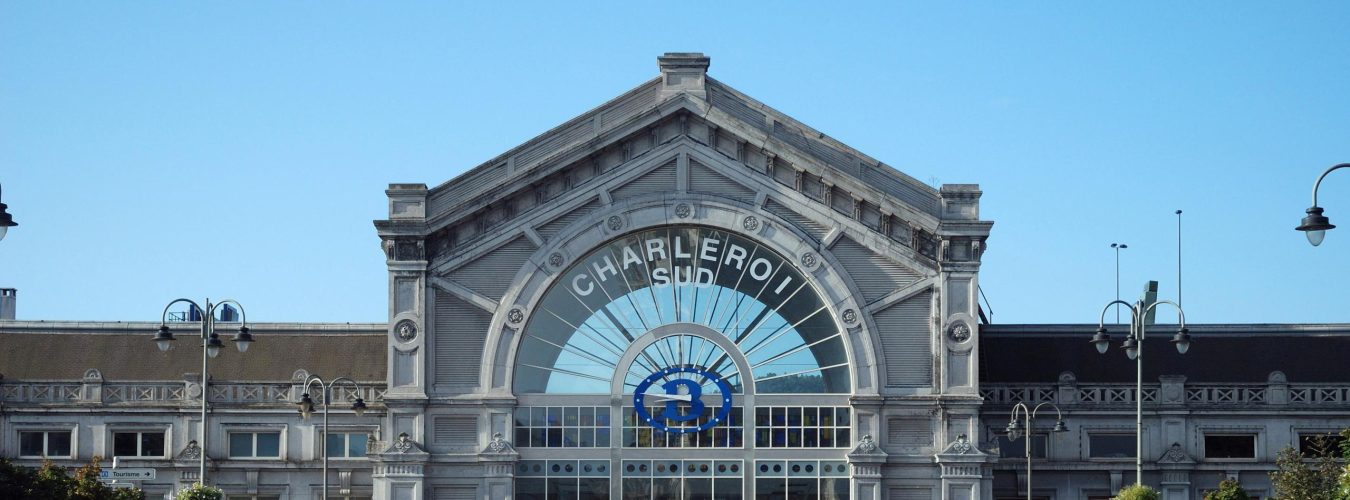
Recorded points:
(723, 282)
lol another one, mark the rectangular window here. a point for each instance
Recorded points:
(255, 445)
(637, 433)
(562, 479)
(1314, 445)
(347, 444)
(562, 426)
(802, 427)
(1009, 448)
(138, 444)
(39, 444)
(1111, 445)
(1230, 446)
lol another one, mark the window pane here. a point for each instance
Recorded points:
(337, 444)
(562, 489)
(1230, 446)
(124, 444)
(1319, 445)
(770, 489)
(30, 443)
(1111, 445)
(356, 446)
(241, 444)
(593, 488)
(530, 489)
(269, 444)
(152, 444)
(58, 444)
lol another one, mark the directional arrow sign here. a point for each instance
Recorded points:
(126, 474)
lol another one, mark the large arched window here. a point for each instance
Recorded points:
(717, 283)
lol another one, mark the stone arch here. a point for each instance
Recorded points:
(662, 209)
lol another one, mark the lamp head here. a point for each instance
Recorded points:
(1182, 340)
(306, 406)
(359, 407)
(1315, 226)
(164, 339)
(213, 345)
(243, 339)
(1101, 340)
(6, 221)
(1131, 347)
(1014, 429)
(1060, 427)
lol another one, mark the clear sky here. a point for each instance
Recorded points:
(241, 150)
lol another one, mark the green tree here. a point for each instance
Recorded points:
(1229, 489)
(55, 483)
(1137, 491)
(1293, 479)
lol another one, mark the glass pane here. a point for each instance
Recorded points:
(337, 444)
(522, 437)
(666, 487)
(562, 489)
(530, 489)
(587, 416)
(570, 416)
(637, 489)
(602, 437)
(241, 444)
(770, 489)
(58, 444)
(1111, 445)
(30, 443)
(801, 488)
(726, 489)
(356, 445)
(522, 416)
(593, 488)
(699, 488)
(834, 488)
(152, 444)
(269, 444)
(1230, 446)
(124, 444)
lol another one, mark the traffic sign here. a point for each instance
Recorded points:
(129, 474)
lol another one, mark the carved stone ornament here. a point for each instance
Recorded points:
(406, 330)
(403, 445)
(191, 451)
(961, 446)
(515, 316)
(750, 223)
(683, 210)
(499, 445)
(556, 260)
(959, 332)
(850, 317)
(1175, 454)
(809, 260)
(614, 222)
(867, 444)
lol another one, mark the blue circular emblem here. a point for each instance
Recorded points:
(683, 398)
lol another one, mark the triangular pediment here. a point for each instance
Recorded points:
(682, 132)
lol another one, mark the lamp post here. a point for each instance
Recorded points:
(6, 220)
(1015, 429)
(1134, 348)
(211, 345)
(1118, 247)
(1314, 226)
(326, 394)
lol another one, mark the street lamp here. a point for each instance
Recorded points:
(1314, 226)
(211, 345)
(1016, 429)
(326, 394)
(6, 220)
(1118, 247)
(1134, 348)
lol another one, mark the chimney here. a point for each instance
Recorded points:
(7, 298)
(683, 72)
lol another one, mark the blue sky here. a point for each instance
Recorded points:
(240, 150)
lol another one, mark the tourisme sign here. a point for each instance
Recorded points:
(129, 474)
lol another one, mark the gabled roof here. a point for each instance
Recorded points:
(683, 84)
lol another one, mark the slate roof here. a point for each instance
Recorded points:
(1218, 353)
(55, 350)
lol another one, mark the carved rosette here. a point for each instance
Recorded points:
(809, 261)
(556, 261)
(751, 223)
(850, 317)
(683, 210)
(406, 330)
(958, 332)
(515, 316)
(614, 223)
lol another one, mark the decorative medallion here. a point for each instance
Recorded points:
(959, 332)
(962, 445)
(1175, 453)
(555, 260)
(750, 223)
(406, 330)
(683, 210)
(403, 446)
(850, 316)
(498, 444)
(614, 222)
(809, 259)
(192, 451)
(867, 444)
(515, 316)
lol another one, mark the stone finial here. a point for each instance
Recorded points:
(407, 201)
(683, 72)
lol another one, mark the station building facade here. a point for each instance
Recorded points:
(684, 293)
